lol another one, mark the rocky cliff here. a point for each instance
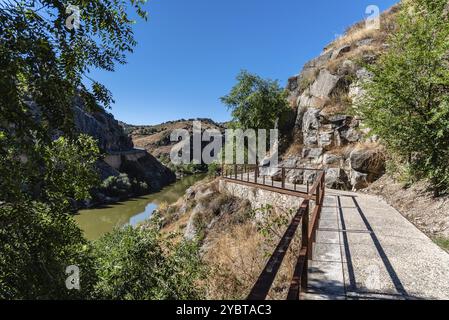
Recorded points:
(103, 127)
(116, 144)
(326, 134)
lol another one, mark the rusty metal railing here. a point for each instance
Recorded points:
(307, 216)
(273, 179)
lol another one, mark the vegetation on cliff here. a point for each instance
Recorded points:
(406, 101)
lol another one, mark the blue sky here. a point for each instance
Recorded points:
(190, 51)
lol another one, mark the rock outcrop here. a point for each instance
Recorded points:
(120, 155)
(327, 133)
(103, 127)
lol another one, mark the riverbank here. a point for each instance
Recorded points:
(98, 221)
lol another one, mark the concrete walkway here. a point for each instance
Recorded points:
(366, 249)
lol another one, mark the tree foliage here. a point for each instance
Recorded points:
(256, 103)
(38, 237)
(44, 68)
(137, 264)
(407, 100)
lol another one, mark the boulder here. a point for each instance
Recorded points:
(332, 159)
(319, 61)
(312, 153)
(368, 160)
(311, 120)
(308, 100)
(336, 178)
(300, 117)
(326, 139)
(337, 119)
(310, 176)
(351, 135)
(292, 84)
(340, 51)
(359, 180)
(191, 231)
(324, 84)
(311, 138)
(364, 42)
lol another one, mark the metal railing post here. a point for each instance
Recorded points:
(305, 244)
(283, 178)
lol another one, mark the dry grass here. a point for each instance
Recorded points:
(294, 149)
(359, 31)
(355, 36)
(374, 49)
(343, 151)
(335, 108)
(237, 255)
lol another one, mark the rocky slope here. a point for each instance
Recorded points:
(326, 135)
(156, 139)
(234, 243)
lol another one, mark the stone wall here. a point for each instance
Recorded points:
(259, 197)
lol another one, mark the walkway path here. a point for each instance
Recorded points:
(365, 249)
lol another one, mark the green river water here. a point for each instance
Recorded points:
(97, 222)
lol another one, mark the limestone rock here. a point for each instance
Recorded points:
(312, 153)
(103, 127)
(310, 101)
(311, 120)
(332, 159)
(324, 84)
(336, 178)
(326, 139)
(310, 176)
(359, 180)
(368, 161)
(191, 231)
(341, 51)
(364, 42)
(351, 135)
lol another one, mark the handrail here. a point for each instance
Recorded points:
(307, 216)
(256, 175)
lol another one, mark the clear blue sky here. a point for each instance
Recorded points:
(190, 51)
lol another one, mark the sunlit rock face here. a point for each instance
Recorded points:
(327, 134)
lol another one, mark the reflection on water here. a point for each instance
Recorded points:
(97, 222)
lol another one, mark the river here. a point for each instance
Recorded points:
(97, 222)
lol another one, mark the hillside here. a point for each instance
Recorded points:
(326, 134)
(156, 138)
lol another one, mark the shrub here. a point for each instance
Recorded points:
(37, 244)
(136, 263)
(117, 186)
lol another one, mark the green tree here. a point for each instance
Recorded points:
(44, 68)
(407, 100)
(38, 237)
(256, 103)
